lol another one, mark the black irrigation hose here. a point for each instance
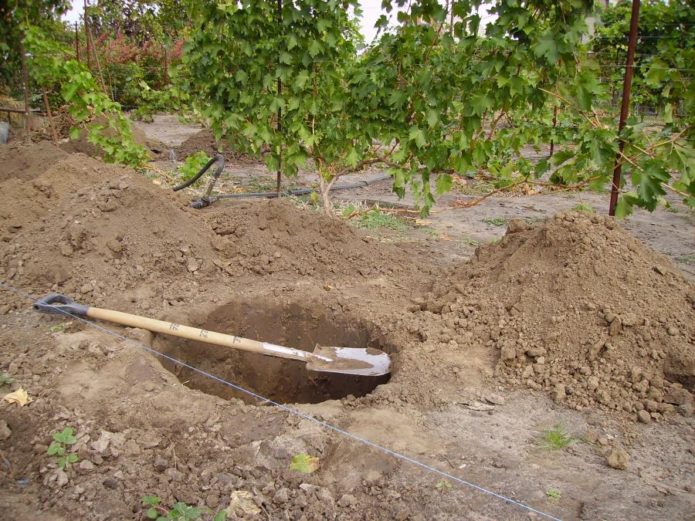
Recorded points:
(199, 174)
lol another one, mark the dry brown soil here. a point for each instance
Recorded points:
(569, 321)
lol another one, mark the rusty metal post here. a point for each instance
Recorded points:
(625, 106)
(86, 37)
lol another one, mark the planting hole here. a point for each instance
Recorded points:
(293, 324)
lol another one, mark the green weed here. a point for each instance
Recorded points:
(59, 328)
(496, 221)
(443, 485)
(5, 379)
(584, 208)
(192, 165)
(557, 438)
(377, 219)
(686, 259)
(179, 512)
(58, 448)
(553, 494)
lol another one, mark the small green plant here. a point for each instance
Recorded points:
(687, 259)
(470, 241)
(376, 218)
(304, 463)
(58, 447)
(5, 379)
(496, 221)
(557, 438)
(553, 494)
(192, 165)
(179, 512)
(583, 207)
(443, 485)
(59, 328)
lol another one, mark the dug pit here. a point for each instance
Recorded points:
(292, 324)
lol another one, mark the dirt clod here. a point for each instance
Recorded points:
(618, 458)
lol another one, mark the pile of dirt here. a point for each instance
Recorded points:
(74, 224)
(579, 308)
(204, 141)
(155, 148)
(275, 236)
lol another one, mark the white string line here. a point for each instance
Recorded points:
(293, 411)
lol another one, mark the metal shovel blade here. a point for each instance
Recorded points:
(349, 360)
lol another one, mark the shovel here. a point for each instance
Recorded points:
(343, 360)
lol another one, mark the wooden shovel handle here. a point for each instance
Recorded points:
(194, 333)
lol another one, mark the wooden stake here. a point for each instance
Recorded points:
(77, 43)
(25, 81)
(54, 134)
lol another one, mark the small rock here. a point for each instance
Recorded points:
(65, 249)
(678, 396)
(629, 319)
(591, 436)
(160, 464)
(687, 409)
(61, 478)
(559, 393)
(150, 440)
(282, 496)
(114, 246)
(111, 483)
(535, 352)
(212, 500)
(495, 399)
(347, 501)
(516, 226)
(101, 445)
(615, 327)
(618, 458)
(86, 288)
(85, 466)
(673, 331)
(644, 417)
(5, 431)
(592, 383)
(508, 353)
(193, 265)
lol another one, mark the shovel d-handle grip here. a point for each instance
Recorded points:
(60, 304)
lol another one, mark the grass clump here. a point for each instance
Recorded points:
(556, 438)
(5, 379)
(496, 221)
(553, 494)
(583, 207)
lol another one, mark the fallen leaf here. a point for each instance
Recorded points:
(304, 463)
(20, 397)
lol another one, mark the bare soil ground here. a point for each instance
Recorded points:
(570, 323)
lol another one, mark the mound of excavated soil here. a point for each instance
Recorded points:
(578, 307)
(69, 222)
(205, 141)
(274, 236)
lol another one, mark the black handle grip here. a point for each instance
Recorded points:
(60, 304)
